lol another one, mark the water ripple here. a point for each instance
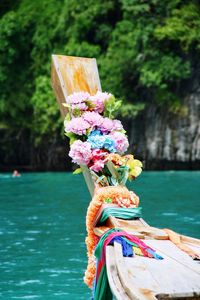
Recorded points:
(169, 214)
(30, 281)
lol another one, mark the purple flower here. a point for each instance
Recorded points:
(106, 126)
(121, 141)
(77, 126)
(81, 106)
(80, 152)
(117, 125)
(99, 99)
(78, 97)
(93, 118)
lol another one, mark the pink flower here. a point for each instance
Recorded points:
(121, 141)
(99, 99)
(81, 106)
(106, 126)
(80, 152)
(98, 154)
(97, 160)
(78, 97)
(117, 125)
(77, 126)
(93, 118)
(97, 166)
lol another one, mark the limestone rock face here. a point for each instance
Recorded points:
(165, 140)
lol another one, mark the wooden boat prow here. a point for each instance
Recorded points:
(177, 276)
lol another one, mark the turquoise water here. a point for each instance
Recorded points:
(42, 227)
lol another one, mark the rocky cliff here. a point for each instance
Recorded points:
(166, 140)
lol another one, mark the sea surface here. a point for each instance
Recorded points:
(42, 227)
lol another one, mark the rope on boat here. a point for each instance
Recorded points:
(175, 238)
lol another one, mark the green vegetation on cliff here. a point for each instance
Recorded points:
(146, 51)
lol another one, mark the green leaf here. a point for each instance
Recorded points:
(76, 112)
(129, 110)
(111, 107)
(117, 105)
(65, 105)
(108, 200)
(88, 131)
(90, 104)
(123, 131)
(77, 171)
(72, 137)
(67, 118)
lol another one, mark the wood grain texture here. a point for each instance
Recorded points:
(190, 240)
(113, 277)
(175, 276)
(138, 228)
(170, 249)
(88, 179)
(58, 87)
(73, 74)
(134, 290)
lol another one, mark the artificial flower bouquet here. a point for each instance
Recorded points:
(98, 140)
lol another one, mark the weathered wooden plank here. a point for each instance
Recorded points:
(169, 277)
(73, 74)
(128, 284)
(113, 278)
(113, 222)
(190, 240)
(88, 179)
(138, 228)
(195, 248)
(175, 280)
(140, 274)
(170, 249)
(58, 86)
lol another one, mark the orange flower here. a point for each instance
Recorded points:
(115, 158)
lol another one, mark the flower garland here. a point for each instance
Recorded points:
(116, 195)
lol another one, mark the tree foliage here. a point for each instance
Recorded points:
(146, 50)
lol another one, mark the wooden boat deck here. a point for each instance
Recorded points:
(177, 276)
